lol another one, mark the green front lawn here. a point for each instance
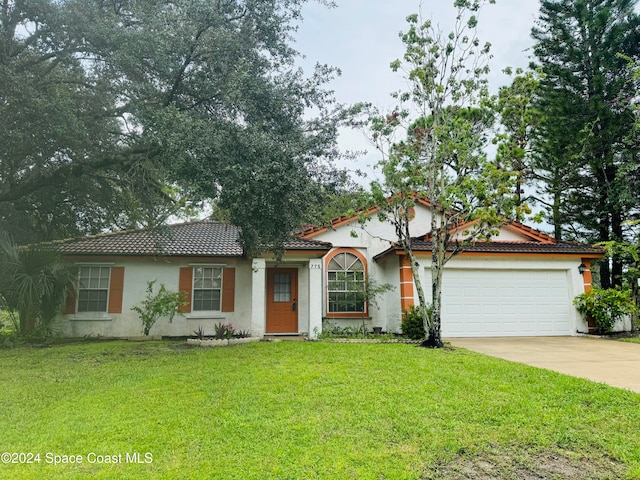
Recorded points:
(300, 410)
(631, 339)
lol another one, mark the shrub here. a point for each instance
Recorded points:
(162, 304)
(242, 334)
(331, 330)
(605, 306)
(413, 323)
(199, 333)
(223, 331)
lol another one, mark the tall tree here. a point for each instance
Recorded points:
(584, 148)
(517, 119)
(440, 155)
(113, 100)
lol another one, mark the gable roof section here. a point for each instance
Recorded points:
(536, 243)
(531, 234)
(192, 239)
(312, 230)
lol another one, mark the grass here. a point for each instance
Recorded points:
(306, 410)
(635, 339)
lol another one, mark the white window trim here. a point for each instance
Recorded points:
(205, 315)
(95, 264)
(92, 316)
(336, 315)
(201, 314)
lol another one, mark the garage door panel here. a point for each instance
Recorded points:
(509, 309)
(492, 329)
(505, 303)
(545, 308)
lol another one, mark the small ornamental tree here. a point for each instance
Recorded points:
(161, 304)
(432, 147)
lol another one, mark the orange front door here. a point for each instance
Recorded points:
(282, 300)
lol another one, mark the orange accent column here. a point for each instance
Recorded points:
(587, 278)
(406, 284)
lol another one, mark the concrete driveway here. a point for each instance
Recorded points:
(601, 360)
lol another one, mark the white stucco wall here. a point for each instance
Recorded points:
(505, 234)
(137, 272)
(249, 313)
(375, 237)
(370, 239)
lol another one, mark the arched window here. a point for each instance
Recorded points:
(346, 284)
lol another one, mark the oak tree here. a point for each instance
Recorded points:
(112, 102)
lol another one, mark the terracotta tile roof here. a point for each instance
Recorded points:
(306, 244)
(532, 232)
(498, 247)
(205, 238)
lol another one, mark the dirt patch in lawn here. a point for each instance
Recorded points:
(533, 466)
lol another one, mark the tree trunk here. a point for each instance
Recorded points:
(604, 225)
(617, 266)
(415, 273)
(636, 301)
(557, 216)
(438, 252)
(28, 320)
(434, 338)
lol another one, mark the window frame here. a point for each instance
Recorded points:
(100, 266)
(349, 314)
(220, 289)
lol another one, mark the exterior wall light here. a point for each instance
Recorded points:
(582, 268)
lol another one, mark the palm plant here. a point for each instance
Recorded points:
(33, 284)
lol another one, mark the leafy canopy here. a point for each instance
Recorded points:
(123, 111)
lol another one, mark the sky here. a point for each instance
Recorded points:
(361, 38)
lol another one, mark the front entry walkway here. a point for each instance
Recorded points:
(597, 359)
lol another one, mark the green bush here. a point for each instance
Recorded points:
(605, 306)
(331, 330)
(413, 323)
(154, 306)
(223, 331)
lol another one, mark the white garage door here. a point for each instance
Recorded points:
(503, 303)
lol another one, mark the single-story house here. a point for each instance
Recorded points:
(521, 283)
